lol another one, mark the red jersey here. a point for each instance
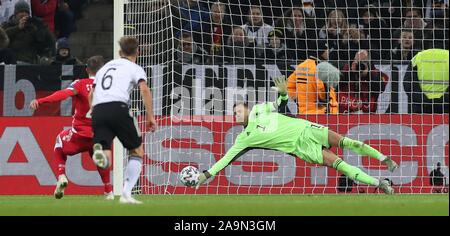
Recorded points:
(82, 121)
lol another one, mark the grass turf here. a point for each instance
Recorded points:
(231, 205)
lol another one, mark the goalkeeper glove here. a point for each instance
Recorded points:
(201, 179)
(280, 85)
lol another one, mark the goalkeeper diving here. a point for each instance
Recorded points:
(266, 128)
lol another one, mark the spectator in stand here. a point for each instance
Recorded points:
(431, 6)
(298, 38)
(352, 41)
(426, 82)
(7, 9)
(256, 30)
(386, 10)
(189, 52)
(63, 56)
(29, 37)
(220, 29)
(239, 49)
(349, 8)
(413, 19)
(360, 86)
(276, 51)
(321, 52)
(432, 38)
(64, 20)
(395, 10)
(45, 9)
(333, 32)
(377, 31)
(76, 7)
(314, 18)
(404, 47)
(437, 35)
(7, 56)
(192, 16)
(423, 29)
(139, 24)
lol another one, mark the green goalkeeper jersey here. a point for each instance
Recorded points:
(266, 129)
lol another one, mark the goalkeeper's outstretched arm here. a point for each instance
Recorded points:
(237, 150)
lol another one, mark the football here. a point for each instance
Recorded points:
(189, 176)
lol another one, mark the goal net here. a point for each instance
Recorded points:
(202, 57)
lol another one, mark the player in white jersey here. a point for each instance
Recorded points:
(110, 113)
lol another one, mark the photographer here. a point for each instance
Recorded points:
(360, 86)
(29, 37)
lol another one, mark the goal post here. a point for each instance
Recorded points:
(119, 153)
(202, 57)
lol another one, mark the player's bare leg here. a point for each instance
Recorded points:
(332, 160)
(62, 183)
(132, 173)
(337, 140)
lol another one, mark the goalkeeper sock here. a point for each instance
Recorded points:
(354, 173)
(132, 174)
(360, 148)
(60, 159)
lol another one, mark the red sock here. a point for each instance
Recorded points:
(60, 160)
(108, 188)
(105, 175)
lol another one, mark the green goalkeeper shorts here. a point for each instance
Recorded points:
(311, 143)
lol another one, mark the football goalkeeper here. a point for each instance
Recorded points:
(265, 128)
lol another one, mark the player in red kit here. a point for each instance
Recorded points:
(78, 138)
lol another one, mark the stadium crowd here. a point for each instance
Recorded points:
(391, 30)
(352, 35)
(37, 31)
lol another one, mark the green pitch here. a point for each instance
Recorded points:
(229, 205)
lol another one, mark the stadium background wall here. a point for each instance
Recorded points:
(27, 140)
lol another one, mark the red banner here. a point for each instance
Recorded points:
(26, 158)
(416, 142)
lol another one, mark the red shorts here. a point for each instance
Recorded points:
(72, 143)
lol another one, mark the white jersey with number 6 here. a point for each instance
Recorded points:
(115, 81)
